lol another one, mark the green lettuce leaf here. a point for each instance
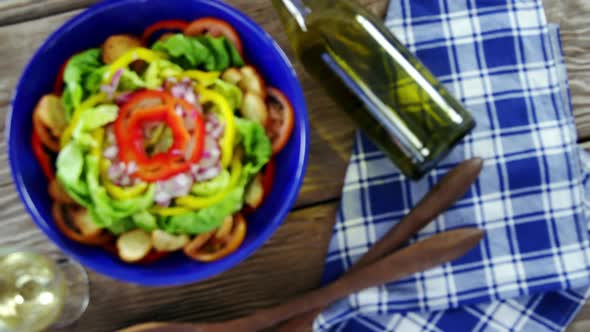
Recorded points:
(208, 219)
(257, 152)
(257, 146)
(232, 93)
(70, 168)
(130, 81)
(213, 186)
(115, 215)
(78, 69)
(78, 171)
(205, 52)
(159, 70)
(94, 80)
(91, 119)
(145, 220)
(217, 48)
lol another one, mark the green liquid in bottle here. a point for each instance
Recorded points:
(397, 102)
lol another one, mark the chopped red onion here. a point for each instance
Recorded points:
(110, 135)
(111, 152)
(211, 153)
(111, 88)
(131, 168)
(178, 90)
(213, 126)
(183, 180)
(162, 197)
(122, 98)
(125, 181)
(189, 123)
(208, 174)
(188, 152)
(179, 111)
(116, 79)
(195, 169)
(190, 97)
(115, 171)
(176, 186)
(215, 153)
(107, 89)
(217, 132)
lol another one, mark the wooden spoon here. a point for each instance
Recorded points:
(438, 249)
(450, 188)
(447, 191)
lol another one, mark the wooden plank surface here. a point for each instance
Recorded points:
(291, 262)
(14, 11)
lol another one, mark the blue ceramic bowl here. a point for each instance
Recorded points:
(90, 29)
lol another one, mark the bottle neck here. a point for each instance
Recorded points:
(292, 12)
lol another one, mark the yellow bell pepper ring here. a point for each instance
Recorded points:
(98, 136)
(227, 144)
(169, 211)
(203, 77)
(138, 53)
(195, 203)
(120, 192)
(88, 103)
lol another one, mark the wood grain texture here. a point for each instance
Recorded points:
(574, 18)
(291, 262)
(15, 11)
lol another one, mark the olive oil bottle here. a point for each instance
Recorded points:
(389, 94)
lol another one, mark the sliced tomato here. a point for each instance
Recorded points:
(44, 134)
(168, 25)
(42, 156)
(216, 28)
(59, 80)
(281, 119)
(268, 178)
(74, 222)
(268, 175)
(153, 256)
(209, 248)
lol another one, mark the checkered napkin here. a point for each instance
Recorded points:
(504, 63)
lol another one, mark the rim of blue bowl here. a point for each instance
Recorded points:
(246, 249)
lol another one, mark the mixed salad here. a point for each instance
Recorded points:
(160, 143)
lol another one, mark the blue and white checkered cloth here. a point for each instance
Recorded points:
(531, 272)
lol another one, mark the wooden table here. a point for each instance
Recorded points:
(291, 262)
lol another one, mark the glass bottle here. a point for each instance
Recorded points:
(386, 90)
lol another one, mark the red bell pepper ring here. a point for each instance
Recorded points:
(178, 25)
(152, 98)
(163, 114)
(42, 156)
(129, 133)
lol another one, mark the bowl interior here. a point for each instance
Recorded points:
(90, 29)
